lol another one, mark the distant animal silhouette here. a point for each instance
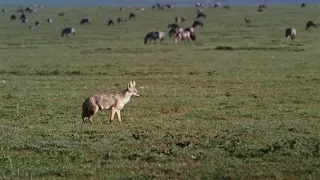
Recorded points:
(247, 21)
(110, 22)
(68, 31)
(201, 14)
(197, 23)
(28, 10)
(132, 16)
(24, 21)
(311, 24)
(262, 6)
(121, 20)
(173, 25)
(23, 16)
(85, 21)
(49, 20)
(290, 33)
(13, 17)
(154, 35)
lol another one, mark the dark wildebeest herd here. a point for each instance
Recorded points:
(178, 33)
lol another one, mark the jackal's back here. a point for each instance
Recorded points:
(102, 101)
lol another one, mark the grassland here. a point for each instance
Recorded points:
(250, 113)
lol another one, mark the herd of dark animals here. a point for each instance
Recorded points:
(175, 30)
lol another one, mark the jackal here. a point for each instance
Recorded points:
(106, 101)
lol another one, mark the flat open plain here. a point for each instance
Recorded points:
(248, 113)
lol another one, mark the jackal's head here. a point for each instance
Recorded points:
(132, 88)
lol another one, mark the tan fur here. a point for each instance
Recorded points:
(115, 102)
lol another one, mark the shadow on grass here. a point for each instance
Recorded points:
(229, 48)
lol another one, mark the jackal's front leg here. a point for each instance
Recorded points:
(113, 111)
(119, 116)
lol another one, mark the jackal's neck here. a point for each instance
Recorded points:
(126, 95)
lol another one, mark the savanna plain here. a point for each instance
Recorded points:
(204, 113)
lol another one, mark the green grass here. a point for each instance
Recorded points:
(250, 113)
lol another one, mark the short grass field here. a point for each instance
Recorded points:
(248, 113)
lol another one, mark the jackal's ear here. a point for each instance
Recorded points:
(134, 84)
(130, 85)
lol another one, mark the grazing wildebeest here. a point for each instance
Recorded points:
(260, 9)
(177, 19)
(85, 21)
(121, 20)
(13, 17)
(173, 25)
(247, 21)
(303, 5)
(121, 8)
(184, 35)
(110, 22)
(24, 21)
(67, 31)
(226, 7)
(311, 24)
(61, 14)
(154, 35)
(201, 15)
(141, 9)
(262, 6)
(197, 23)
(198, 4)
(160, 35)
(290, 33)
(28, 10)
(150, 36)
(183, 19)
(37, 23)
(216, 5)
(191, 30)
(49, 20)
(23, 16)
(162, 6)
(132, 16)
(173, 31)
